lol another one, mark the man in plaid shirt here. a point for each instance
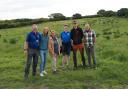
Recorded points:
(89, 40)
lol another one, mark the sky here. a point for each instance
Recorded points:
(15, 9)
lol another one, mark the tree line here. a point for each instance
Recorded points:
(123, 12)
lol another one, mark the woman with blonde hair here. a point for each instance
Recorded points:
(89, 41)
(43, 46)
(54, 49)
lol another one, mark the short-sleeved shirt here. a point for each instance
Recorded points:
(43, 42)
(65, 37)
(33, 40)
(89, 36)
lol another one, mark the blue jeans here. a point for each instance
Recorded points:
(43, 55)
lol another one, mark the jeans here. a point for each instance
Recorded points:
(90, 53)
(43, 56)
(32, 54)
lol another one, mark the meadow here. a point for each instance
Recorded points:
(111, 52)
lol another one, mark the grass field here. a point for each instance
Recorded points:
(111, 53)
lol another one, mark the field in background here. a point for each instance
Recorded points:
(111, 53)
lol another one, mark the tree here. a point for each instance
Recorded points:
(123, 12)
(106, 13)
(77, 16)
(110, 13)
(57, 16)
(101, 12)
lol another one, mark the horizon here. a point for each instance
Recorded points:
(18, 9)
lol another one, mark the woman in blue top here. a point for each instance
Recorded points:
(43, 45)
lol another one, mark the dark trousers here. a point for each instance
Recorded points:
(32, 55)
(81, 50)
(90, 53)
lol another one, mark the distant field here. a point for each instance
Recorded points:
(111, 53)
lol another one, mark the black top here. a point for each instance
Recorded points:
(77, 35)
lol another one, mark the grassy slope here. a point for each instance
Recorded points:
(111, 54)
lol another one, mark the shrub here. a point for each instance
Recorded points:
(98, 34)
(107, 37)
(13, 41)
(77, 16)
(117, 34)
(5, 40)
(120, 57)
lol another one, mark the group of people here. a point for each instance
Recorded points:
(40, 43)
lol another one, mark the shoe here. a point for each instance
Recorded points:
(44, 72)
(41, 74)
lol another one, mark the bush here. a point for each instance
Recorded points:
(120, 57)
(98, 34)
(107, 37)
(77, 16)
(123, 12)
(117, 34)
(13, 41)
(5, 40)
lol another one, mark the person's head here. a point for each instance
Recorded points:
(75, 24)
(87, 27)
(45, 31)
(65, 27)
(34, 28)
(53, 33)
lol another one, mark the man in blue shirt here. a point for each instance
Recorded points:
(66, 45)
(31, 47)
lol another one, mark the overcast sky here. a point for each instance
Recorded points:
(12, 9)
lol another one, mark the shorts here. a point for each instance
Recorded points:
(66, 48)
(78, 46)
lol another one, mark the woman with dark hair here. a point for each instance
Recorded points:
(43, 46)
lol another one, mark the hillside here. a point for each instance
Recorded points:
(111, 54)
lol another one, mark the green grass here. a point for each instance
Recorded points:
(111, 54)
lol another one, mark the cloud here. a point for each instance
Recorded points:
(10, 9)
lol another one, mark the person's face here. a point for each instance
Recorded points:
(53, 34)
(46, 30)
(65, 28)
(34, 28)
(75, 25)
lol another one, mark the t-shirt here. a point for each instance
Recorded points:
(43, 42)
(33, 40)
(65, 37)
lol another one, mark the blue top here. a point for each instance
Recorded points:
(33, 40)
(43, 42)
(56, 45)
(65, 37)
